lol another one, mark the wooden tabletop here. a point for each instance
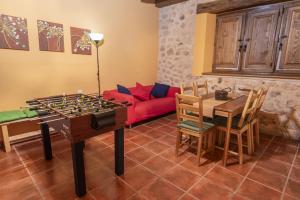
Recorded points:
(234, 106)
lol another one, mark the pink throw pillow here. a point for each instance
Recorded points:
(141, 92)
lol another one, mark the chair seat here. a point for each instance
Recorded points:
(187, 124)
(222, 121)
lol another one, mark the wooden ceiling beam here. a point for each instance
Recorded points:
(219, 6)
(163, 3)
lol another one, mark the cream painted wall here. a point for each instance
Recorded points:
(204, 43)
(129, 53)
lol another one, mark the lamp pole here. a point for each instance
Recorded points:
(98, 70)
(97, 40)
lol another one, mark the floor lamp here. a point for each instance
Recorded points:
(97, 39)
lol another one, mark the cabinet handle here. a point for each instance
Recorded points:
(284, 37)
(245, 47)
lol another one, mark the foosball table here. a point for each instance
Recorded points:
(79, 117)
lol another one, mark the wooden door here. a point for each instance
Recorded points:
(260, 39)
(289, 48)
(228, 39)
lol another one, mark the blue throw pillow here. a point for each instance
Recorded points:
(160, 90)
(122, 89)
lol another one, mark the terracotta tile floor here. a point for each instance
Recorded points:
(151, 169)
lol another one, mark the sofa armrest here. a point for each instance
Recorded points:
(172, 91)
(120, 97)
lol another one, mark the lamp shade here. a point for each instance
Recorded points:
(96, 37)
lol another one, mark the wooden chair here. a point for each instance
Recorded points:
(187, 89)
(197, 86)
(193, 125)
(240, 126)
(262, 93)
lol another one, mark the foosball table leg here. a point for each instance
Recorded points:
(46, 141)
(78, 168)
(119, 151)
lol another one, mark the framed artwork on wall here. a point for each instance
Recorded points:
(13, 33)
(51, 36)
(80, 41)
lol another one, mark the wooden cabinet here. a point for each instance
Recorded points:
(228, 41)
(260, 41)
(289, 50)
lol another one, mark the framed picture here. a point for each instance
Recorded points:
(80, 41)
(51, 36)
(13, 33)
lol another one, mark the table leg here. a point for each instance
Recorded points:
(119, 151)
(227, 139)
(5, 136)
(78, 168)
(46, 141)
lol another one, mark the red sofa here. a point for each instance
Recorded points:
(142, 110)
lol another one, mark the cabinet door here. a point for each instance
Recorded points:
(289, 54)
(228, 41)
(260, 39)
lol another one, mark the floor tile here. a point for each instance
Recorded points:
(187, 197)
(292, 188)
(224, 178)
(114, 189)
(141, 139)
(161, 189)
(138, 177)
(141, 128)
(277, 166)
(191, 164)
(169, 140)
(155, 134)
(129, 146)
(170, 155)
(12, 175)
(256, 191)
(21, 189)
(63, 191)
(158, 165)
(268, 178)
(50, 178)
(207, 189)
(181, 177)
(97, 176)
(140, 155)
(157, 147)
(295, 174)
(43, 165)
(167, 129)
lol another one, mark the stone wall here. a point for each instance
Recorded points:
(281, 110)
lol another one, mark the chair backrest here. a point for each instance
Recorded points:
(187, 89)
(261, 99)
(203, 86)
(249, 108)
(185, 106)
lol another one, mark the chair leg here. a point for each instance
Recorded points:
(240, 147)
(178, 142)
(226, 148)
(249, 140)
(257, 132)
(213, 133)
(200, 141)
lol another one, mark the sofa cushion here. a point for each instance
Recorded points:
(122, 89)
(160, 90)
(155, 107)
(141, 92)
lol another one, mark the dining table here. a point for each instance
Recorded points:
(228, 108)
